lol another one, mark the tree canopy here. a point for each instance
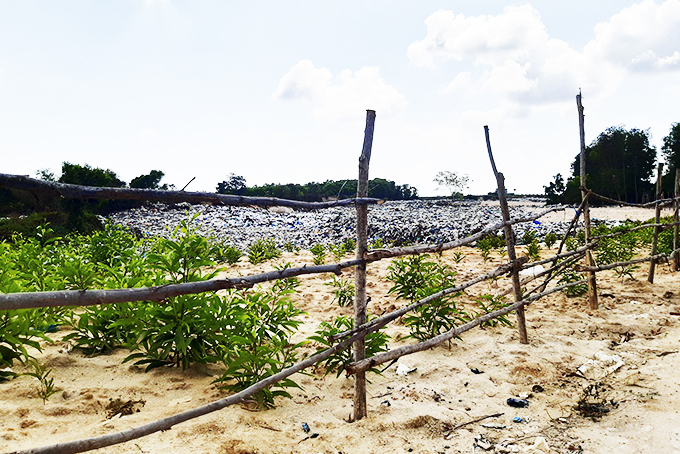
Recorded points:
(316, 192)
(619, 164)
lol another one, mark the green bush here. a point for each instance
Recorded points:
(263, 250)
(343, 291)
(376, 342)
(257, 345)
(319, 254)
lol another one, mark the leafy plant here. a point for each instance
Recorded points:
(458, 256)
(287, 284)
(417, 277)
(489, 242)
(377, 243)
(319, 253)
(528, 237)
(550, 239)
(227, 253)
(263, 250)
(343, 291)
(376, 342)
(258, 343)
(568, 276)
(534, 250)
(41, 373)
(16, 333)
(290, 247)
(101, 329)
(488, 304)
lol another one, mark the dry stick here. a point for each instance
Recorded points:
(378, 254)
(495, 415)
(426, 345)
(592, 282)
(73, 191)
(167, 423)
(661, 202)
(630, 262)
(360, 408)
(657, 219)
(549, 272)
(509, 241)
(676, 219)
(28, 300)
(385, 319)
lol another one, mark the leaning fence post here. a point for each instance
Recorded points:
(360, 271)
(592, 282)
(510, 243)
(657, 219)
(676, 259)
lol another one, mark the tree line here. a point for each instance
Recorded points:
(318, 192)
(620, 164)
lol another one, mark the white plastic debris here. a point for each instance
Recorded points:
(600, 366)
(533, 271)
(404, 369)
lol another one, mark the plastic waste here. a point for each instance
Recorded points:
(518, 403)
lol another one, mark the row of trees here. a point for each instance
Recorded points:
(620, 164)
(316, 192)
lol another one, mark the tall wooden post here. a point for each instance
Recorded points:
(657, 219)
(676, 260)
(592, 282)
(509, 242)
(360, 272)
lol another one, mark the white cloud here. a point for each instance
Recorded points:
(643, 37)
(513, 55)
(341, 96)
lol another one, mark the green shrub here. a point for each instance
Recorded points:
(258, 343)
(550, 239)
(376, 342)
(319, 254)
(343, 291)
(263, 250)
(569, 276)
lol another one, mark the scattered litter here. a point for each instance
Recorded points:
(403, 369)
(594, 401)
(305, 427)
(121, 407)
(386, 402)
(476, 371)
(518, 403)
(483, 443)
(523, 395)
(537, 389)
(601, 366)
(540, 445)
(519, 419)
(533, 271)
(493, 425)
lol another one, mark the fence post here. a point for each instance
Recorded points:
(360, 271)
(509, 242)
(592, 281)
(657, 219)
(676, 259)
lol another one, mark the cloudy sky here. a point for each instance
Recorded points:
(277, 91)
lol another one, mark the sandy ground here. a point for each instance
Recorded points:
(418, 412)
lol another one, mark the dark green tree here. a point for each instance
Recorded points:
(619, 164)
(555, 190)
(236, 185)
(82, 213)
(671, 153)
(89, 176)
(150, 181)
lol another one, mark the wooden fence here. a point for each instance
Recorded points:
(354, 337)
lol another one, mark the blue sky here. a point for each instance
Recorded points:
(277, 91)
